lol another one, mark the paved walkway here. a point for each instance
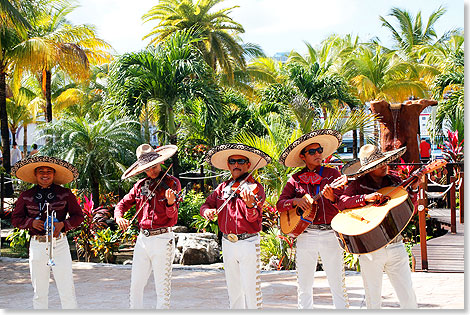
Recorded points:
(102, 286)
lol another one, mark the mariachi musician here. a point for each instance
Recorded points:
(308, 152)
(48, 252)
(156, 202)
(238, 205)
(371, 173)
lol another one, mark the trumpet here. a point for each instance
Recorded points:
(49, 227)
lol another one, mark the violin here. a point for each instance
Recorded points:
(249, 184)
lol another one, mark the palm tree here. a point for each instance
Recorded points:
(166, 75)
(410, 30)
(378, 73)
(320, 88)
(220, 46)
(71, 48)
(100, 149)
(15, 53)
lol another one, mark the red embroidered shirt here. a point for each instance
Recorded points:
(353, 195)
(154, 212)
(235, 217)
(27, 210)
(296, 188)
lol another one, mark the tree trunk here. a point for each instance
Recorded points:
(175, 159)
(361, 137)
(5, 133)
(25, 140)
(354, 151)
(46, 89)
(95, 190)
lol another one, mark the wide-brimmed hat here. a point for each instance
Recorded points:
(218, 155)
(64, 171)
(370, 158)
(328, 139)
(147, 157)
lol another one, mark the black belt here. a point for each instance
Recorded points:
(238, 237)
(153, 232)
(320, 226)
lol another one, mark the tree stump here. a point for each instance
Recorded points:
(399, 124)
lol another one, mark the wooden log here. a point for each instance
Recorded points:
(453, 219)
(422, 205)
(461, 194)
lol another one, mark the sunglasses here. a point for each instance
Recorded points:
(239, 161)
(312, 151)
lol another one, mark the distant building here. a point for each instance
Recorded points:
(281, 56)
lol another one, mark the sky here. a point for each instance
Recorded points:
(275, 25)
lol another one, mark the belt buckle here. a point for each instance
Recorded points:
(146, 233)
(232, 237)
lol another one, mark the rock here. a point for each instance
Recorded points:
(180, 229)
(196, 248)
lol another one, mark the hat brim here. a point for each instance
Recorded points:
(64, 171)
(137, 168)
(354, 169)
(218, 155)
(329, 140)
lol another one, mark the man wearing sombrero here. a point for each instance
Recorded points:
(308, 152)
(155, 198)
(371, 173)
(239, 220)
(48, 173)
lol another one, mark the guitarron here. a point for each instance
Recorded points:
(366, 229)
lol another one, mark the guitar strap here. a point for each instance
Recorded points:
(317, 191)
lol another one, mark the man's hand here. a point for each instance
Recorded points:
(58, 226)
(328, 193)
(170, 196)
(123, 223)
(305, 203)
(373, 197)
(38, 225)
(209, 214)
(248, 198)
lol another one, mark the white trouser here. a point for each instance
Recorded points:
(153, 252)
(242, 272)
(310, 244)
(393, 259)
(40, 273)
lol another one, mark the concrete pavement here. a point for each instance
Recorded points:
(106, 286)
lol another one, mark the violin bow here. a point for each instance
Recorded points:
(235, 191)
(135, 215)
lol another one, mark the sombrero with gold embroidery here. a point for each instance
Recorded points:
(64, 171)
(147, 157)
(218, 155)
(329, 139)
(370, 158)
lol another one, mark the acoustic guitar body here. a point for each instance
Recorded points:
(369, 228)
(291, 221)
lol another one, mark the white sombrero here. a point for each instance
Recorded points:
(64, 171)
(148, 157)
(328, 139)
(370, 158)
(218, 155)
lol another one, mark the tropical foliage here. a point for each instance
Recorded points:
(198, 85)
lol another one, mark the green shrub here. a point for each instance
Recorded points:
(189, 207)
(19, 241)
(273, 243)
(203, 225)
